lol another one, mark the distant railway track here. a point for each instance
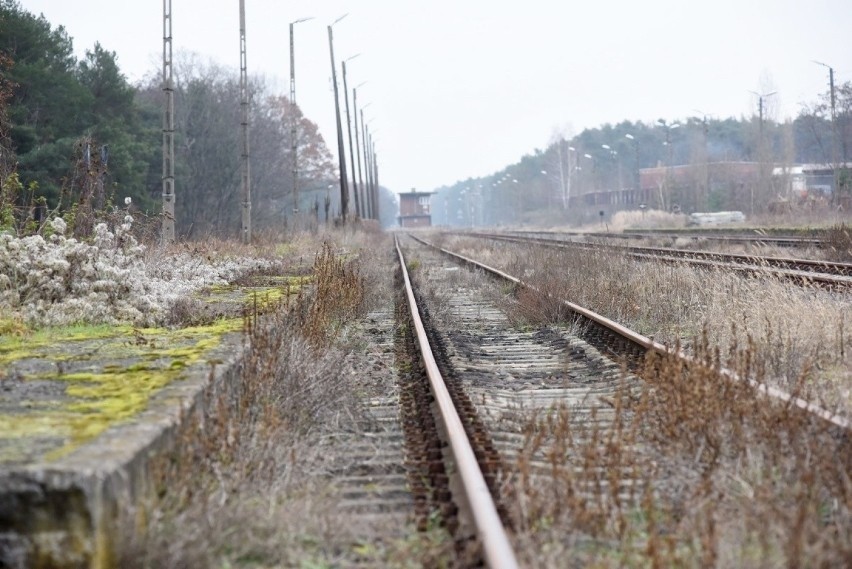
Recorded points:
(623, 342)
(486, 379)
(824, 273)
(777, 240)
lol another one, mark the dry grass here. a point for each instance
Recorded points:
(838, 243)
(650, 219)
(685, 469)
(691, 471)
(249, 484)
(799, 334)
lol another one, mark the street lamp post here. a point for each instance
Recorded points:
(760, 98)
(367, 184)
(341, 152)
(365, 213)
(547, 189)
(835, 146)
(575, 174)
(706, 160)
(294, 120)
(638, 180)
(358, 212)
(369, 163)
(761, 145)
(614, 155)
(375, 194)
(664, 192)
(368, 159)
(562, 173)
(591, 175)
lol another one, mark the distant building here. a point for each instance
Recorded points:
(414, 209)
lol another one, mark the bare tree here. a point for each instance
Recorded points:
(207, 118)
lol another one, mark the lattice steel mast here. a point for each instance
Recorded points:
(168, 230)
(244, 120)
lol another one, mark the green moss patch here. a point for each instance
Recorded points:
(260, 291)
(100, 375)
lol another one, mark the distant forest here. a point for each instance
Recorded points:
(69, 125)
(609, 158)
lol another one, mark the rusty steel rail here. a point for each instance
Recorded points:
(492, 535)
(753, 237)
(823, 273)
(639, 341)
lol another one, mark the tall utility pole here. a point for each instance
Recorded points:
(341, 151)
(244, 120)
(358, 211)
(294, 119)
(168, 231)
(835, 147)
(367, 213)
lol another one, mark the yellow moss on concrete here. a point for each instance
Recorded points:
(95, 400)
(35, 343)
(265, 291)
(12, 327)
(107, 374)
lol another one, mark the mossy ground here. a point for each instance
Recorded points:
(61, 387)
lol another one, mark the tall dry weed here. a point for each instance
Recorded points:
(799, 333)
(247, 482)
(689, 470)
(337, 296)
(837, 243)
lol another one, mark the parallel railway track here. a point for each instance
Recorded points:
(487, 381)
(824, 273)
(777, 240)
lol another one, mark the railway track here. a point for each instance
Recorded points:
(807, 271)
(753, 237)
(507, 385)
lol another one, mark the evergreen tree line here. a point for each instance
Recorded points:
(73, 130)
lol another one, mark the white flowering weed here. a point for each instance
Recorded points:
(60, 280)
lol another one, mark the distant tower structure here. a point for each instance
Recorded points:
(168, 231)
(244, 120)
(415, 209)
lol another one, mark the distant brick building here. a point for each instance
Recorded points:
(414, 209)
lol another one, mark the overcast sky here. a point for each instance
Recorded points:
(462, 88)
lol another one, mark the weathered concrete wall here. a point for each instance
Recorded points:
(68, 513)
